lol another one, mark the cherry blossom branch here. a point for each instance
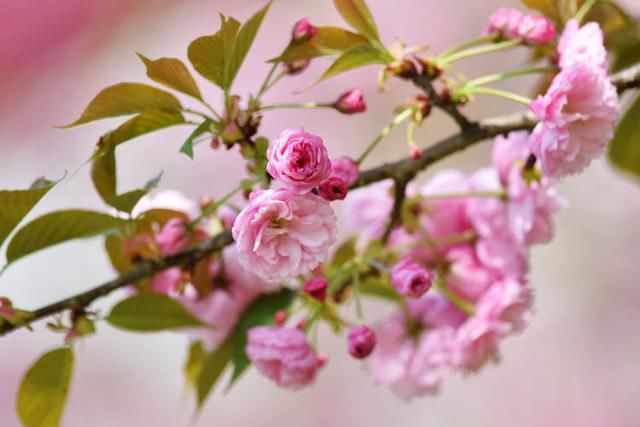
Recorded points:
(401, 171)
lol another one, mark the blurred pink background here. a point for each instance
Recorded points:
(577, 364)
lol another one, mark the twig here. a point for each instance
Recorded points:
(402, 171)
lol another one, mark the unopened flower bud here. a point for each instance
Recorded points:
(351, 102)
(322, 359)
(362, 341)
(280, 317)
(410, 279)
(302, 31)
(316, 288)
(414, 152)
(333, 188)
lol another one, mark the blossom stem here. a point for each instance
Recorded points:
(303, 105)
(492, 78)
(405, 114)
(500, 94)
(456, 300)
(464, 46)
(265, 84)
(197, 113)
(480, 50)
(355, 277)
(584, 9)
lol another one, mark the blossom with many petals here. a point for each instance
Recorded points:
(298, 160)
(282, 355)
(582, 45)
(281, 234)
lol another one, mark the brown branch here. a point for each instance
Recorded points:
(401, 171)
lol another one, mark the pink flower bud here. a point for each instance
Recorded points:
(298, 160)
(362, 341)
(344, 167)
(414, 152)
(536, 29)
(410, 279)
(323, 358)
(280, 317)
(351, 102)
(316, 288)
(505, 21)
(283, 355)
(333, 188)
(302, 31)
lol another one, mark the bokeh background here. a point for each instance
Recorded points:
(576, 365)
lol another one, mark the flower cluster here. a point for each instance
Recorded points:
(471, 243)
(513, 24)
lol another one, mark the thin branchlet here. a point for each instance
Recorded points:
(401, 171)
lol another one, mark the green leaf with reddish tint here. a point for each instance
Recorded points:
(16, 204)
(59, 227)
(103, 170)
(126, 99)
(242, 44)
(211, 55)
(624, 149)
(357, 57)
(357, 14)
(44, 389)
(172, 73)
(148, 312)
(328, 41)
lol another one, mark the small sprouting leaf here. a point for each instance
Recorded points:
(212, 367)
(357, 57)
(242, 44)
(114, 245)
(210, 55)
(103, 170)
(148, 312)
(357, 14)
(16, 204)
(126, 99)
(260, 312)
(143, 123)
(58, 227)
(327, 41)
(172, 73)
(187, 147)
(44, 388)
(624, 149)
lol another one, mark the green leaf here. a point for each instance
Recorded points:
(328, 41)
(346, 252)
(58, 227)
(44, 388)
(357, 57)
(144, 123)
(624, 149)
(172, 73)
(16, 204)
(242, 44)
(148, 312)
(126, 99)
(260, 159)
(103, 170)
(357, 14)
(210, 55)
(260, 312)
(212, 368)
(125, 202)
(380, 288)
(195, 362)
(187, 147)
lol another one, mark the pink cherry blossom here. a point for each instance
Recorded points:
(410, 279)
(504, 21)
(366, 210)
(577, 117)
(173, 237)
(283, 355)
(167, 199)
(281, 234)
(536, 29)
(345, 168)
(509, 150)
(362, 341)
(445, 216)
(467, 276)
(504, 309)
(351, 102)
(298, 160)
(413, 362)
(582, 45)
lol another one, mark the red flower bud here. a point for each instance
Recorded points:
(302, 31)
(362, 341)
(316, 288)
(350, 102)
(333, 188)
